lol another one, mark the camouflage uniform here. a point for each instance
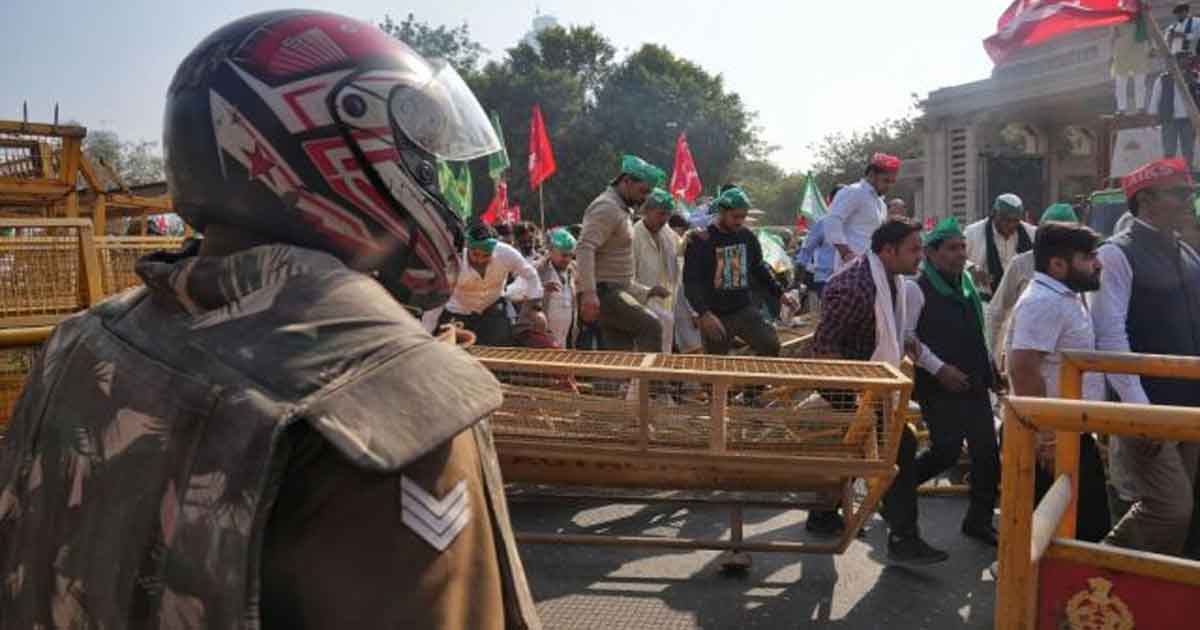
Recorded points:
(265, 439)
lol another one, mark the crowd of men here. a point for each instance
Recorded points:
(636, 277)
(264, 436)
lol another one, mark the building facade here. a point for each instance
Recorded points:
(1038, 127)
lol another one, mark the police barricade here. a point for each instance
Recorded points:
(1048, 580)
(636, 428)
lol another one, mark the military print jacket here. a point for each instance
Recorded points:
(147, 451)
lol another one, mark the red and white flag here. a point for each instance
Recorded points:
(685, 181)
(541, 158)
(1031, 22)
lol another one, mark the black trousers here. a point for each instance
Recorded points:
(900, 501)
(951, 420)
(491, 327)
(1092, 518)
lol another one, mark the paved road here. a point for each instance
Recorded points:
(602, 588)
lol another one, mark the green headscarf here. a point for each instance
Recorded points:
(561, 241)
(660, 199)
(947, 228)
(1059, 212)
(1008, 205)
(733, 199)
(642, 170)
(486, 245)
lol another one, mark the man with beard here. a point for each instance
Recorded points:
(526, 240)
(863, 319)
(858, 209)
(955, 374)
(1017, 276)
(608, 292)
(993, 242)
(1050, 317)
(1149, 302)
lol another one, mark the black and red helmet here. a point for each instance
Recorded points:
(320, 130)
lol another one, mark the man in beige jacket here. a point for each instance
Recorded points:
(656, 262)
(608, 291)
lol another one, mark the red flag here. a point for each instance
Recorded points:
(801, 223)
(541, 158)
(511, 214)
(1032, 22)
(498, 204)
(928, 224)
(685, 181)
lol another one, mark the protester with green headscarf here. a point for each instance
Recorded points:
(1016, 277)
(955, 374)
(557, 273)
(718, 266)
(656, 263)
(486, 286)
(993, 242)
(609, 294)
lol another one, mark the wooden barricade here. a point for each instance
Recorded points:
(684, 428)
(1047, 580)
(17, 349)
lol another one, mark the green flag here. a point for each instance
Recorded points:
(456, 189)
(812, 204)
(498, 161)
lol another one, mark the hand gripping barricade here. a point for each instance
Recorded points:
(694, 428)
(1045, 578)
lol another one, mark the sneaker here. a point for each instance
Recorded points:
(983, 532)
(911, 551)
(825, 523)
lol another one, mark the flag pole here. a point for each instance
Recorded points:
(542, 207)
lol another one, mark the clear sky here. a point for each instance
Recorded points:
(808, 67)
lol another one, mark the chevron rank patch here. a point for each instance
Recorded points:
(437, 521)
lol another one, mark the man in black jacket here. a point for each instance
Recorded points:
(718, 264)
(954, 374)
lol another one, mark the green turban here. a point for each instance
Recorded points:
(486, 245)
(561, 241)
(1008, 205)
(733, 199)
(947, 228)
(1060, 212)
(660, 199)
(642, 170)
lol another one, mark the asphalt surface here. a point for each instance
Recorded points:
(608, 588)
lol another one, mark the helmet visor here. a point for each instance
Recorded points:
(443, 117)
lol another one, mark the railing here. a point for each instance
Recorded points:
(1029, 538)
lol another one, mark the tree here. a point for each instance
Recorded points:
(441, 42)
(135, 163)
(841, 157)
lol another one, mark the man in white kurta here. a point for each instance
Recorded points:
(858, 209)
(993, 242)
(655, 261)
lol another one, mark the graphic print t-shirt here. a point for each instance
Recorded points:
(717, 271)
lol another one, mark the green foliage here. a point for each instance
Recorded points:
(841, 157)
(452, 44)
(134, 162)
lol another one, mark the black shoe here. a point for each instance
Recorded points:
(911, 551)
(825, 523)
(983, 532)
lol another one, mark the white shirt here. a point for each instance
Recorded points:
(1017, 276)
(1006, 248)
(1110, 306)
(1051, 318)
(914, 303)
(655, 263)
(1186, 40)
(1180, 108)
(856, 212)
(474, 293)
